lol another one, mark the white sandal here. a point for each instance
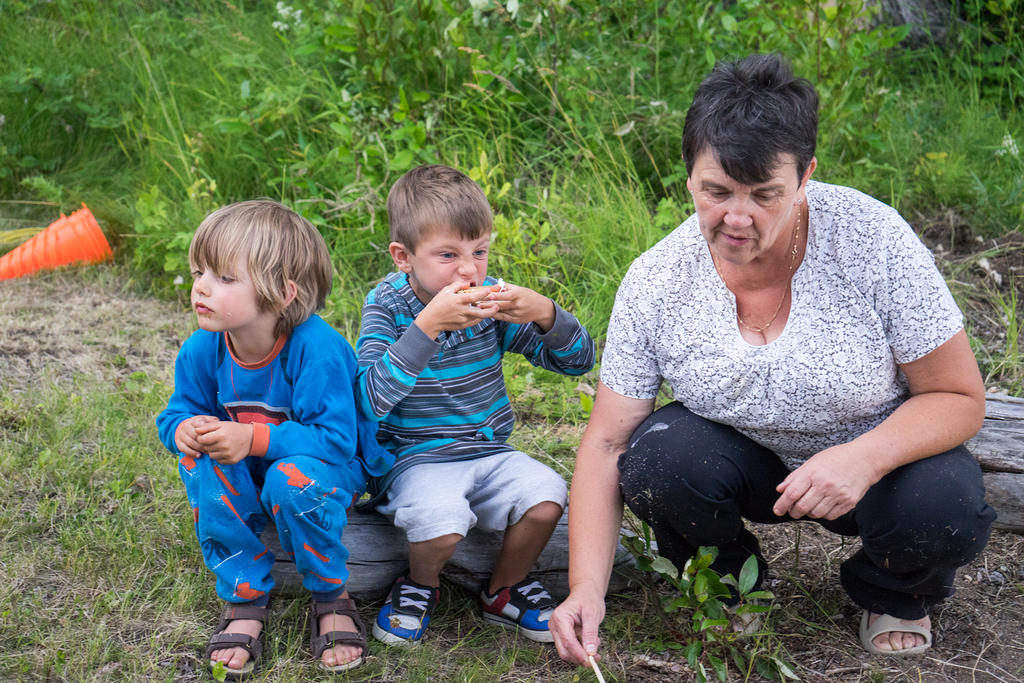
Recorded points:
(887, 623)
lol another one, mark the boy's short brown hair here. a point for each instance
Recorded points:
(436, 197)
(276, 245)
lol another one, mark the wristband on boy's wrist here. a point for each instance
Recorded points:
(260, 439)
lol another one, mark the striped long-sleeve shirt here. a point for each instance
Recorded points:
(444, 399)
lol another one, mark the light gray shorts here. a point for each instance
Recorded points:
(430, 500)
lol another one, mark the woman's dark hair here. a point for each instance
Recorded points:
(749, 112)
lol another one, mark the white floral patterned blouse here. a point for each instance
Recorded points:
(866, 297)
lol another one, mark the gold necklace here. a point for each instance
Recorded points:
(793, 249)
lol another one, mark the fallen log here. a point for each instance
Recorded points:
(378, 554)
(999, 447)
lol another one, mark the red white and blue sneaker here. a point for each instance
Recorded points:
(406, 614)
(526, 606)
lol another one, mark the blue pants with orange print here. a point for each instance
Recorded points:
(306, 498)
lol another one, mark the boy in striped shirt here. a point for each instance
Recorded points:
(429, 355)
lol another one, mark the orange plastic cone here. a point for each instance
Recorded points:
(70, 239)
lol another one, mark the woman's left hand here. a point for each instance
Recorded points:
(946, 407)
(828, 485)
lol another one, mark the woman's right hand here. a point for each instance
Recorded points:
(574, 625)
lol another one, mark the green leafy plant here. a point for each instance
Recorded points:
(988, 49)
(719, 636)
(219, 672)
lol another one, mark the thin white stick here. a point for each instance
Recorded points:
(593, 665)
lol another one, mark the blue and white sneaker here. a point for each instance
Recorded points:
(406, 614)
(526, 606)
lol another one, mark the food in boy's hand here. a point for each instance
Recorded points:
(479, 288)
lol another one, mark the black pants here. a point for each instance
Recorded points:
(694, 482)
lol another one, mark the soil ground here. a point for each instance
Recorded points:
(70, 323)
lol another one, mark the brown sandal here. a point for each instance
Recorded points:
(318, 642)
(222, 641)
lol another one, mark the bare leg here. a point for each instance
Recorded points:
(899, 640)
(523, 544)
(427, 559)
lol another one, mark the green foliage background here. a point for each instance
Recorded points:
(569, 113)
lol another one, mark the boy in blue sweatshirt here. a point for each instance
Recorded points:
(430, 350)
(264, 422)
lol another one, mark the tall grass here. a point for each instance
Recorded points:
(568, 114)
(155, 113)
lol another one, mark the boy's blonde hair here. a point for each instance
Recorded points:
(436, 197)
(276, 245)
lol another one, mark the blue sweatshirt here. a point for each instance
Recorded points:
(300, 399)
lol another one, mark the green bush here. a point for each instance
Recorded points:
(569, 113)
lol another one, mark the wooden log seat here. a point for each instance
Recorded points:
(378, 553)
(999, 447)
